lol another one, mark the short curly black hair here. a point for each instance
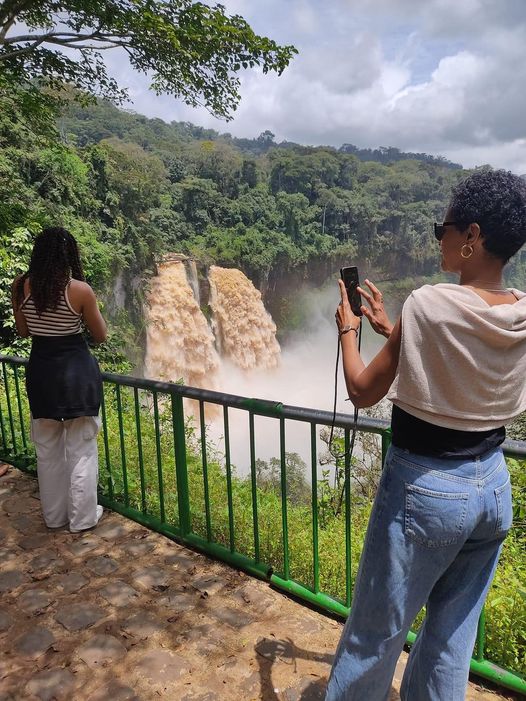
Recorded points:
(496, 201)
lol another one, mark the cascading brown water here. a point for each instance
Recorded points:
(179, 342)
(244, 329)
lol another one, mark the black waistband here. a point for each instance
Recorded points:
(424, 438)
(70, 341)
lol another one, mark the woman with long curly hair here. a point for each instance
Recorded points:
(52, 303)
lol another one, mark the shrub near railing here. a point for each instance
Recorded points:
(137, 470)
(506, 602)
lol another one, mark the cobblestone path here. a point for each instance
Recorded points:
(124, 614)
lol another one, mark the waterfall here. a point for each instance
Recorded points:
(191, 271)
(244, 330)
(179, 342)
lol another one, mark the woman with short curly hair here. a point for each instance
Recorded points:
(454, 367)
(52, 303)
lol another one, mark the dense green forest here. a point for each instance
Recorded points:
(131, 188)
(262, 206)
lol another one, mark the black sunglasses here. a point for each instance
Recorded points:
(440, 229)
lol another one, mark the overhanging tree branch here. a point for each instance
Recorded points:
(193, 51)
(57, 37)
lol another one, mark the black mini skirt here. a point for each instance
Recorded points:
(63, 379)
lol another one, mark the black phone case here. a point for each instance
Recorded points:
(351, 281)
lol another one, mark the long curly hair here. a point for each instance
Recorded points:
(54, 261)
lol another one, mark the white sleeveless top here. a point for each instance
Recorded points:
(62, 321)
(462, 362)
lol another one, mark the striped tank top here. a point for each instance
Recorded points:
(62, 321)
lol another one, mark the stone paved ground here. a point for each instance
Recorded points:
(123, 614)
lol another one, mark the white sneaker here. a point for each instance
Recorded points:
(99, 512)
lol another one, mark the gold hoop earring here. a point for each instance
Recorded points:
(470, 252)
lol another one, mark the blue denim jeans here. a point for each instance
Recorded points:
(434, 539)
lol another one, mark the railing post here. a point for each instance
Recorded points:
(20, 412)
(122, 446)
(181, 469)
(228, 468)
(314, 507)
(2, 429)
(347, 496)
(204, 463)
(9, 410)
(284, 516)
(481, 636)
(159, 456)
(386, 442)
(106, 446)
(253, 479)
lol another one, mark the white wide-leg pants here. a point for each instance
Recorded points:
(67, 466)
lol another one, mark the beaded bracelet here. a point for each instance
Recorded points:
(347, 328)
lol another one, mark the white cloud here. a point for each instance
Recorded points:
(305, 17)
(510, 155)
(440, 76)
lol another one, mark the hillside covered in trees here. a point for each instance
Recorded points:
(262, 206)
(132, 188)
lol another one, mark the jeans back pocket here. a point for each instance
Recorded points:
(434, 519)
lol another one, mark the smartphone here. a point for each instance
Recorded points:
(351, 281)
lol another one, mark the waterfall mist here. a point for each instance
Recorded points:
(304, 377)
(237, 353)
(305, 374)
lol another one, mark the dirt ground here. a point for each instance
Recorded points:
(121, 613)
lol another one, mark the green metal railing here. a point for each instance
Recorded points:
(158, 468)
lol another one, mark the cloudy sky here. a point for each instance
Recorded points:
(442, 76)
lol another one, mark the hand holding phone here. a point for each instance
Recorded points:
(351, 281)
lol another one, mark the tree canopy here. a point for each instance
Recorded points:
(131, 188)
(190, 50)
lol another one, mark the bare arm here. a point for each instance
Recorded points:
(91, 315)
(366, 385)
(20, 320)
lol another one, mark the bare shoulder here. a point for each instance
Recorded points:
(80, 289)
(80, 295)
(78, 285)
(17, 280)
(17, 290)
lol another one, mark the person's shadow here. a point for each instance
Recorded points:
(271, 649)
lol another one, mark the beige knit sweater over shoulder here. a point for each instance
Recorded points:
(462, 362)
